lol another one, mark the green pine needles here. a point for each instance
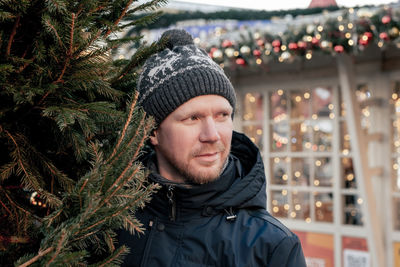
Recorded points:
(70, 133)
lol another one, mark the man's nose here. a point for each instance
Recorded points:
(209, 131)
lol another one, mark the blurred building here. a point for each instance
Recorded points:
(328, 125)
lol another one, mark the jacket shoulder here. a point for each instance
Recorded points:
(267, 217)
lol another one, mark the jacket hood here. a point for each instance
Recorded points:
(241, 185)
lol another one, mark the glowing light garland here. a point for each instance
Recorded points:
(350, 32)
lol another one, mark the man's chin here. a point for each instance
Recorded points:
(204, 177)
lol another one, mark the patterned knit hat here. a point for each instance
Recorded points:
(178, 73)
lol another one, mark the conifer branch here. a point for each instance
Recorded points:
(14, 204)
(142, 121)
(119, 211)
(5, 207)
(68, 58)
(12, 35)
(71, 35)
(120, 17)
(58, 249)
(14, 239)
(55, 32)
(109, 241)
(26, 64)
(52, 218)
(116, 255)
(128, 121)
(40, 254)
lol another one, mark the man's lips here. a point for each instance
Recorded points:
(208, 156)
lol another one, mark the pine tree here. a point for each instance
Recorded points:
(70, 133)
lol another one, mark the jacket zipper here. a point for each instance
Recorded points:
(172, 203)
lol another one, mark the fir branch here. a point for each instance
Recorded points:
(120, 17)
(14, 239)
(145, 20)
(148, 6)
(118, 211)
(127, 123)
(133, 226)
(129, 143)
(53, 216)
(140, 56)
(5, 207)
(6, 170)
(58, 248)
(71, 36)
(26, 64)
(109, 240)
(40, 254)
(116, 255)
(14, 204)
(12, 35)
(47, 22)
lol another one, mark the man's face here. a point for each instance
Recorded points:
(193, 142)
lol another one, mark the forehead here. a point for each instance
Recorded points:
(204, 102)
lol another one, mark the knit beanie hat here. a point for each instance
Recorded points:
(179, 73)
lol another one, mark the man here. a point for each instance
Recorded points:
(210, 210)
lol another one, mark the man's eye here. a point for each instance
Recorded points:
(223, 115)
(193, 118)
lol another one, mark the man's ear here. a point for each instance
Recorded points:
(154, 138)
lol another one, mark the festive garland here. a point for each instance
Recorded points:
(350, 32)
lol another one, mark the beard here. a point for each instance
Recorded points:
(203, 174)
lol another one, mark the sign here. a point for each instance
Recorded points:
(317, 248)
(396, 252)
(356, 258)
(355, 252)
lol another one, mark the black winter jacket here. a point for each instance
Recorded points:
(223, 223)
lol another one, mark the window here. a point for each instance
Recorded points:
(305, 154)
(395, 144)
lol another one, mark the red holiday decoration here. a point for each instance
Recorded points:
(226, 43)
(386, 19)
(292, 46)
(257, 52)
(260, 42)
(369, 35)
(212, 50)
(338, 48)
(276, 43)
(302, 45)
(365, 38)
(240, 61)
(384, 36)
(314, 41)
(277, 49)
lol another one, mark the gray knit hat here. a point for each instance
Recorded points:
(178, 73)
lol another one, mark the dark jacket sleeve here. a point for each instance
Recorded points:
(288, 253)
